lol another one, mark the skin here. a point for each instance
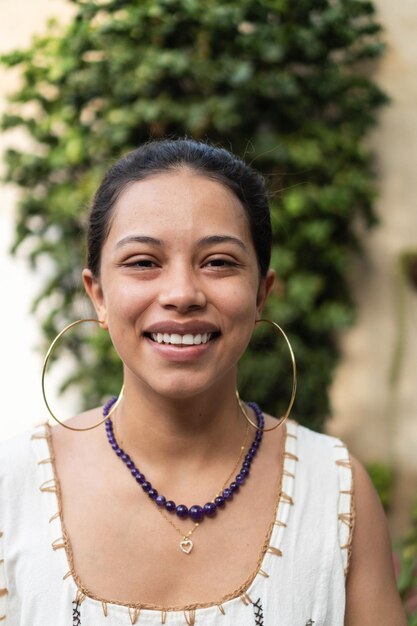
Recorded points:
(179, 415)
(371, 591)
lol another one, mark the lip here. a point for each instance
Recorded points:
(192, 327)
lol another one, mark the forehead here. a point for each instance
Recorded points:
(180, 201)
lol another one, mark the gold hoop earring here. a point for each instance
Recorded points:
(45, 363)
(294, 384)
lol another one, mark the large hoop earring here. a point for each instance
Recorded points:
(45, 363)
(294, 384)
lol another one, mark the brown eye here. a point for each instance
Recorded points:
(220, 263)
(142, 264)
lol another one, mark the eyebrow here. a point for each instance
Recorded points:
(204, 241)
(139, 239)
(213, 239)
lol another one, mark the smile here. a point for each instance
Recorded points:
(175, 339)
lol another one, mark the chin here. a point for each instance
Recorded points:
(180, 392)
(180, 387)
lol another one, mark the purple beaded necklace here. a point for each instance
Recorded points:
(196, 513)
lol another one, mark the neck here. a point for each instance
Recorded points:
(188, 431)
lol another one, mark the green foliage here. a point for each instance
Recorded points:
(406, 564)
(281, 83)
(383, 479)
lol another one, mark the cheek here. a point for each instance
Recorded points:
(124, 304)
(240, 308)
(123, 311)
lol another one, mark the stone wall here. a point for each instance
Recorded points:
(376, 418)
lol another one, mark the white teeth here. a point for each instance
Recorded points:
(186, 340)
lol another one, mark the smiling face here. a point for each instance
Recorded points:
(179, 286)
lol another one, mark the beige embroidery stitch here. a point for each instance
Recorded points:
(344, 463)
(246, 599)
(279, 523)
(83, 591)
(352, 520)
(59, 543)
(347, 518)
(290, 455)
(286, 498)
(134, 616)
(44, 461)
(291, 435)
(190, 617)
(39, 436)
(48, 486)
(80, 597)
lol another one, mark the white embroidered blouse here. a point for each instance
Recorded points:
(300, 581)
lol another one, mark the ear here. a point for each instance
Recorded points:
(265, 287)
(94, 290)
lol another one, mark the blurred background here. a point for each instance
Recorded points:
(371, 382)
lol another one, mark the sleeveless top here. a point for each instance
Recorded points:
(300, 579)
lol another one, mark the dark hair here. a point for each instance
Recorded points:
(169, 154)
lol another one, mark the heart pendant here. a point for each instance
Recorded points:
(186, 546)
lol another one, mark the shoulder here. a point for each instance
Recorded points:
(14, 452)
(318, 445)
(17, 473)
(320, 439)
(315, 449)
(303, 433)
(20, 457)
(371, 528)
(371, 591)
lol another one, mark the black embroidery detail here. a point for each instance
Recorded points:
(259, 613)
(310, 622)
(76, 616)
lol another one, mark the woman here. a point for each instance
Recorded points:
(178, 273)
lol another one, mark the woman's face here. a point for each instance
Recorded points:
(179, 287)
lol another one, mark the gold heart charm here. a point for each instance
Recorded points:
(186, 546)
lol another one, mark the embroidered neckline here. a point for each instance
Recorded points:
(285, 487)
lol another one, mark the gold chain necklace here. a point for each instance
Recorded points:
(186, 545)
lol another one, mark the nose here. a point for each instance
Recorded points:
(182, 290)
